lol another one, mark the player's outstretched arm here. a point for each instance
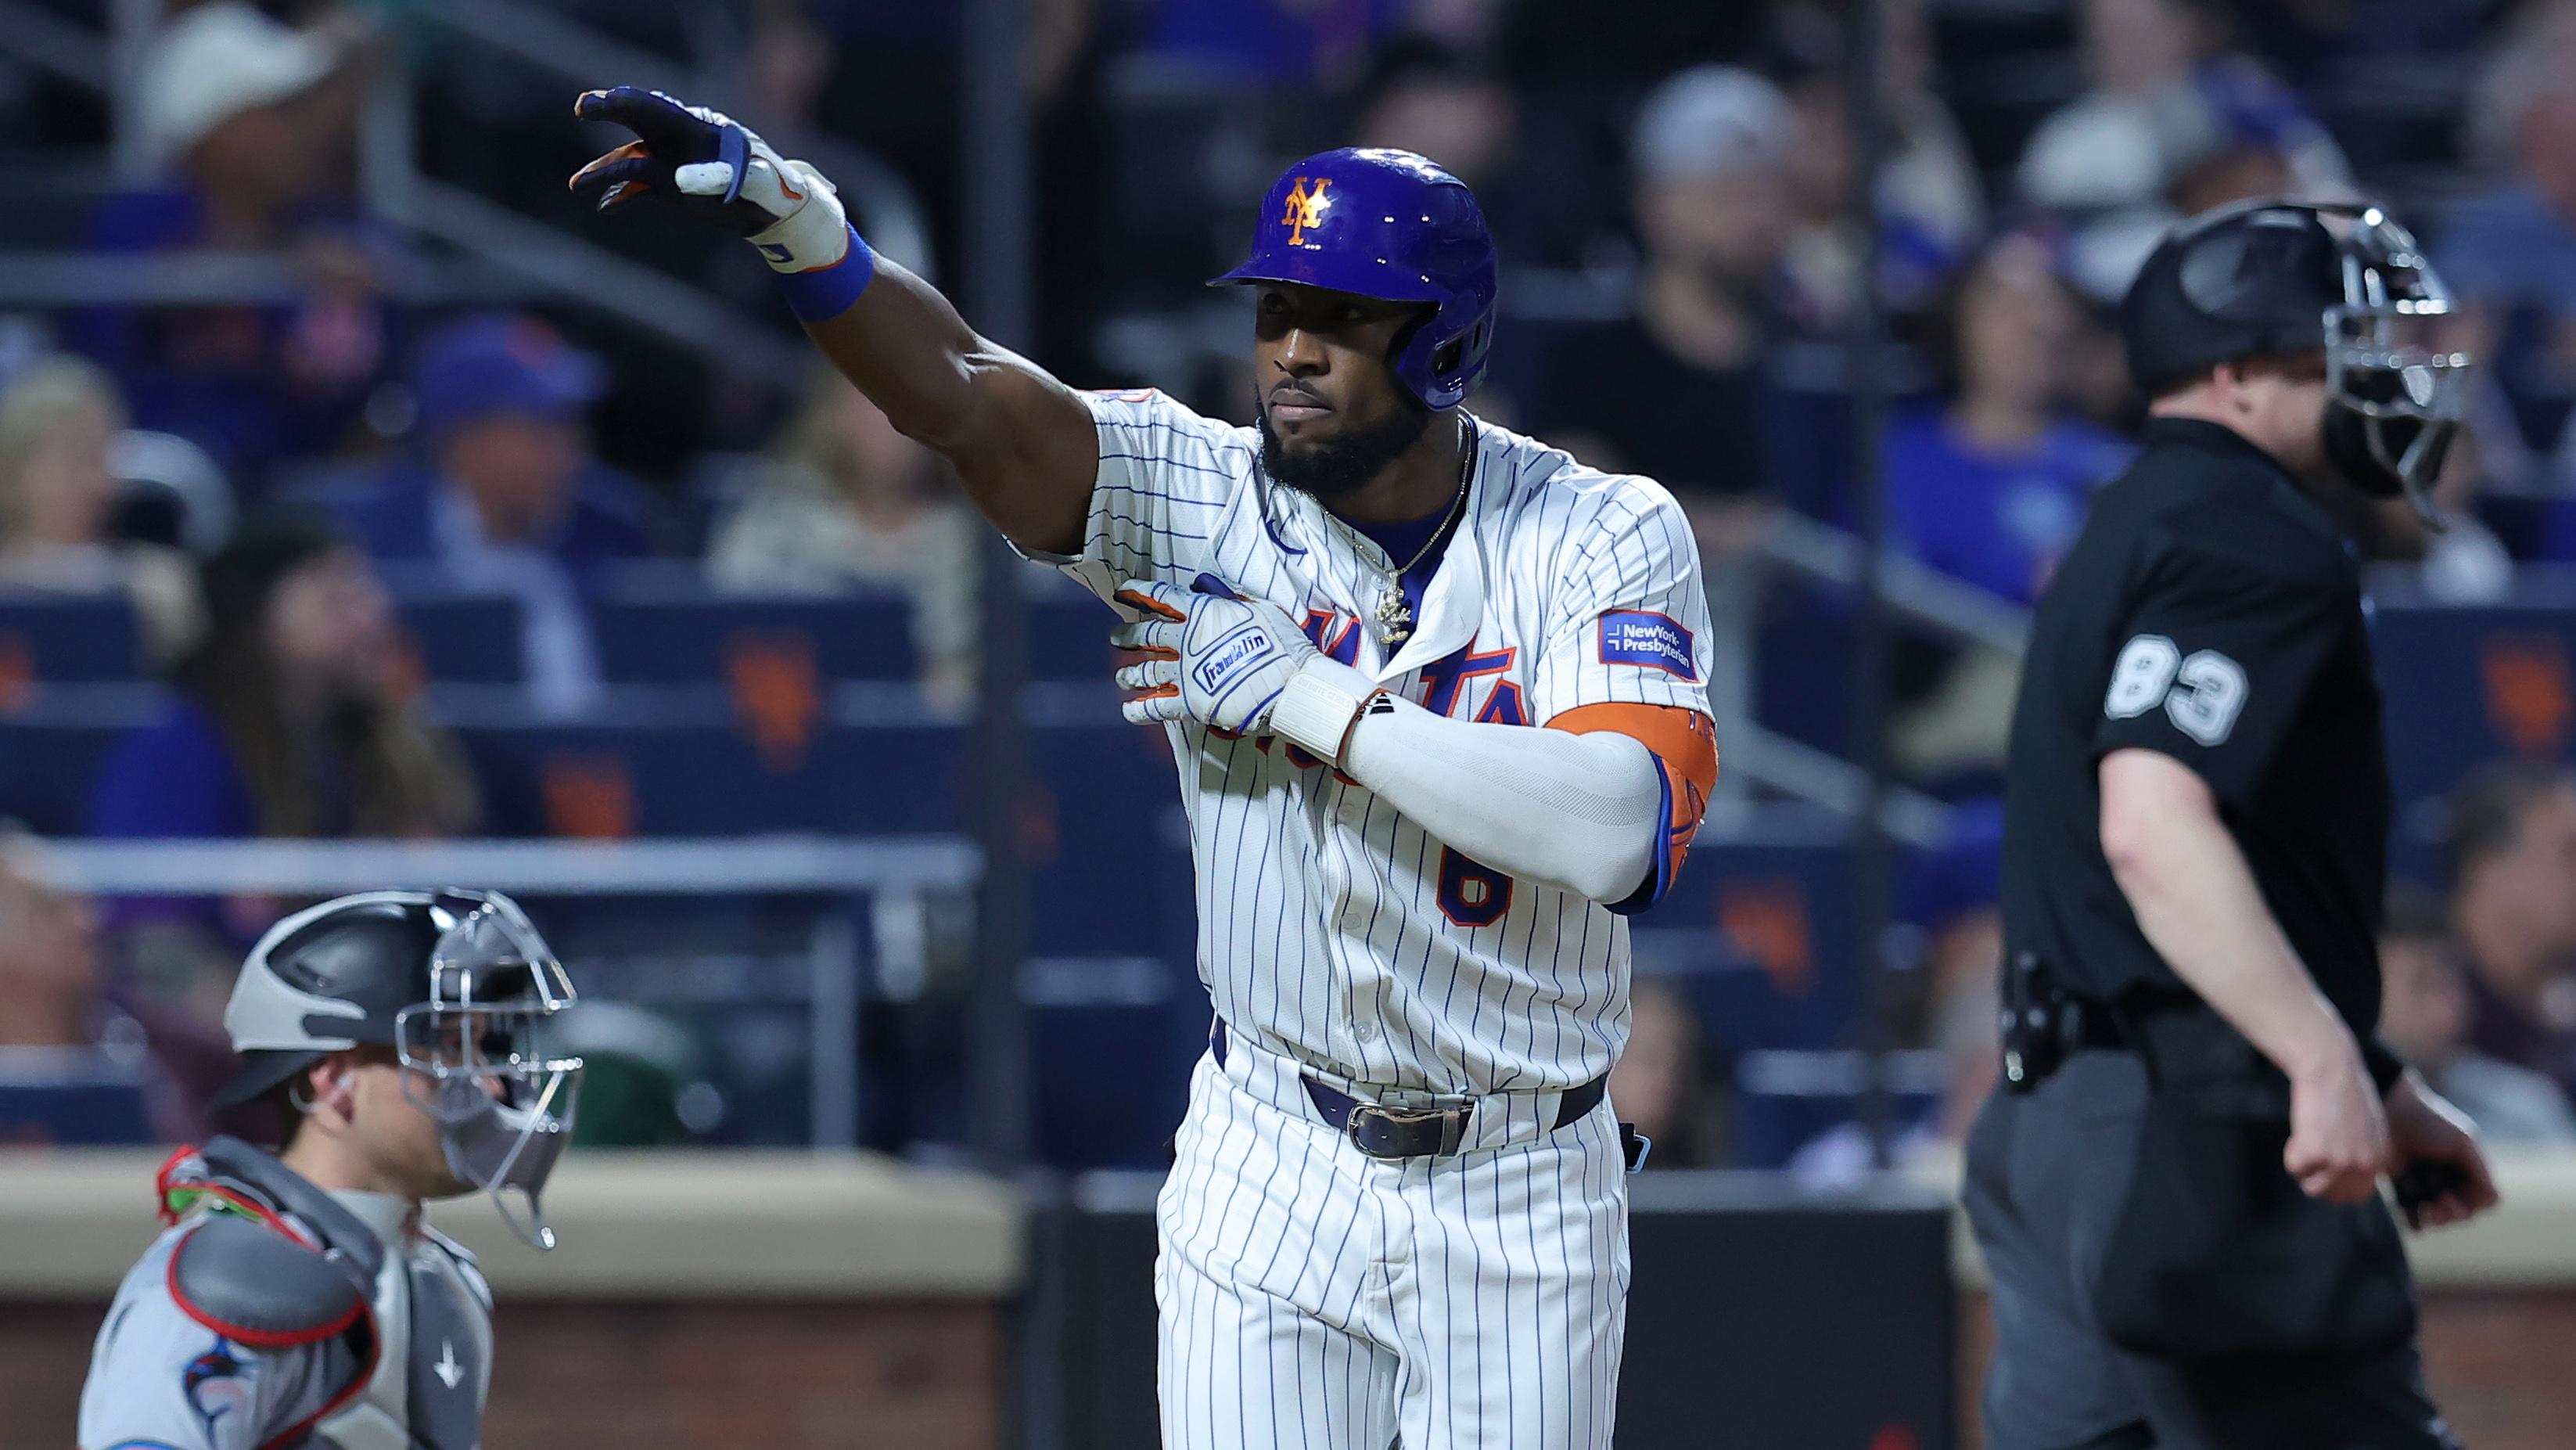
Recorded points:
(1022, 443)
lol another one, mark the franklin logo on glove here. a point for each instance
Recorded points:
(1227, 657)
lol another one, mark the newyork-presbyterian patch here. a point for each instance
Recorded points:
(1647, 639)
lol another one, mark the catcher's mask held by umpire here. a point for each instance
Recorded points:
(462, 987)
(2267, 278)
(1394, 226)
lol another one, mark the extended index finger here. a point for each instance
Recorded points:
(665, 124)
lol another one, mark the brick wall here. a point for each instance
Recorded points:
(2502, 1364)
(694, 1376)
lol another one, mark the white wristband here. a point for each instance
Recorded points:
(1317, 708)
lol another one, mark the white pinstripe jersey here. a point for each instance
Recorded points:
(1331, 928)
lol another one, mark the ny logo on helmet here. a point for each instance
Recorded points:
(1306, 207)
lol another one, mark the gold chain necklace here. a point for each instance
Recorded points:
(1394, 614)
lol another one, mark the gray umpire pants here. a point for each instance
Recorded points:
(2046, 1174)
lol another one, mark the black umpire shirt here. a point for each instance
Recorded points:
(2210, 612)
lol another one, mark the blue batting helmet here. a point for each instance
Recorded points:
(1395, 226)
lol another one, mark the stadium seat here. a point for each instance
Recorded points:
(659, 637)
(1116, 1013)
(607, 781)
(1068, 632)
(2465, 686)
(464, 639)
(1757, 934)
(45, 767)
(49, 637)
(84, 1101)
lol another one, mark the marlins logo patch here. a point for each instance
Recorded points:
(1644, 638)
(218, 1383)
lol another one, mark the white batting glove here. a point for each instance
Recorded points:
(1238, 666)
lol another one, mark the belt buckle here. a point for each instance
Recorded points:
(1395, 1121)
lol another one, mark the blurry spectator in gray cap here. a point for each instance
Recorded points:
(1647, 391)
(2424, 1015)
(58, 500)
(253, 124)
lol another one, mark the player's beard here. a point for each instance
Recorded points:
(1348, 460)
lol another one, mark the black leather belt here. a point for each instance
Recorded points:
(1382, 1131)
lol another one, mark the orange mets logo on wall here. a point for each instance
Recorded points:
(1306, 206)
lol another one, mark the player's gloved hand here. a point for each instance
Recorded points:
(1212, 656)
(1239, 666)
(715, 169)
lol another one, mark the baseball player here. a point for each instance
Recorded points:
(1436, 696)
(297, 1298)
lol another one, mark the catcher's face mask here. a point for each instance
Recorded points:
(2395, 394)
(482, 1061)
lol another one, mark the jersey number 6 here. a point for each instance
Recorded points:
(1471, 894)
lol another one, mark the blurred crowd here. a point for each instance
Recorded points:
(1677, 200)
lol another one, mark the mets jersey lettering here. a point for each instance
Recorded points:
(1330, 927)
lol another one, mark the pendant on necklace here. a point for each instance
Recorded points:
(1394, 616)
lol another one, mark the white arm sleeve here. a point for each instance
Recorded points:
(1579, 812)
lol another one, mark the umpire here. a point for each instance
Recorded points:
(2177, 1190)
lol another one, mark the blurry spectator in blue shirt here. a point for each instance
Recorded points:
(1992, 486)
(507, 497)
(255, 123)
(2509, 253)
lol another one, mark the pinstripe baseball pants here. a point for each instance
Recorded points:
(1312, 1296)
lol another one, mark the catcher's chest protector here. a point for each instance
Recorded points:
(418, 1358)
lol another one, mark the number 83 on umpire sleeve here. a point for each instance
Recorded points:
(2202, 692)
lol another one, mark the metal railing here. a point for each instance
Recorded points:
(897, 878)
(1913, 591)
(508, 256)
